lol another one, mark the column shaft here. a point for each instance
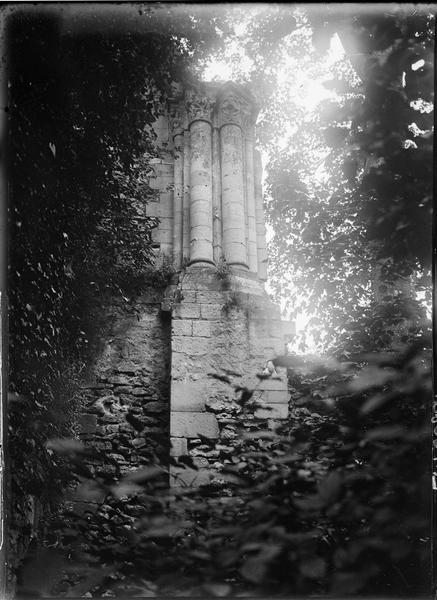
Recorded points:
(216, 204)
(260, 221)
(178, 200)
(232, 176)
(186, 200)
(251, 208)
(201, 193)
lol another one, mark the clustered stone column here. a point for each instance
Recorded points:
(216, 327)
(232, 165)
(252, 249)
(216, 211)
(178, 190)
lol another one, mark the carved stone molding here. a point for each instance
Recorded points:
(199, 106)
(234, 109)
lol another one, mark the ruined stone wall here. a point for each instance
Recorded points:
(125, 416)
(128, 385)
(221, 332)
(159, 370)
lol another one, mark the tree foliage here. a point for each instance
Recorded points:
(366, 220)
(81, 105)
(334, 501)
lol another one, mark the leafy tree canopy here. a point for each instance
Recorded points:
(349, 182)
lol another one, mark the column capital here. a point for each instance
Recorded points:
(199, 106)
(236, 106)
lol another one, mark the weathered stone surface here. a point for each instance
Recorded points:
(201, 278)
(186, 310)
(191, 424)
(273, 383)
(179, 446)
(188, 396)
(182, 327)
(221, 405)
(201, 328)
(189, 296)
(211, 311)
(201, 191)
(210, 297)
(228, 433)
(274, 411)
(191, 346)
(276, 396)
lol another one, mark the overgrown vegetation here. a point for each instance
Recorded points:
(81, 105)
(224, 272)
(336, 500)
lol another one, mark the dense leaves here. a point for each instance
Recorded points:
(361, 218)
(81, 104)
(333, 501)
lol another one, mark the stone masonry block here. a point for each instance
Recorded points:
(202, 328)
(273, 383)
(191, 346)
(179, 447)
(191, 424)
(182, 327)
(276, 396)
(200, 278)
(161, 235)
(210, 297)
(275, 344)
(189, 296)
(211, 311)
(187, 310)
(188, 396)
(274, 411)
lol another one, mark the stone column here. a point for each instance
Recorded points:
(216, 201)
(186, 199)
(201, 250)
(232, 177)
(178, 191)
(260, 226)
(250, 196)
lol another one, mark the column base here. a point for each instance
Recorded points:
(201, 262)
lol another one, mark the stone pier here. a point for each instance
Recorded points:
(157, 385)
(222, 320)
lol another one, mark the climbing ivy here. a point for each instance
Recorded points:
(81, 102)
